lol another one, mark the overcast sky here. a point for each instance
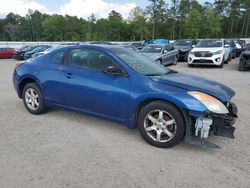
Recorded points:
(80, 8)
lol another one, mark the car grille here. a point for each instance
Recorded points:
(203, 54)
(202, 61)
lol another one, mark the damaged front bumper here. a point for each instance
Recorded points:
(200, 127)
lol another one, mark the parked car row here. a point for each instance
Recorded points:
(26, 52)
(196, 52)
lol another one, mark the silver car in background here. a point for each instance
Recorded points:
(164, 54)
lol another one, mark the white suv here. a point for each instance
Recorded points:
(209, 52)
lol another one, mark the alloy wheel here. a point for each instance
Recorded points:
(32, 99)
(160, 125)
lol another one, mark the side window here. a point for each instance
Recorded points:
(169, 48)
(91, 59)
(58, 58)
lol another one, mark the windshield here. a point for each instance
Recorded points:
(37, 49)
(139, 63)
(28, 48)
(152, 49)
(182, 43)
(209, 43)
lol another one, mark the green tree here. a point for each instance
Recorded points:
(102, 30)
(91, 26)
(158, 17)
(11, 25)
(115, 21)
(192, 25)
(138, 21)
(54, 28)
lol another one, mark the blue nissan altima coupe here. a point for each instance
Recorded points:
(122, 85)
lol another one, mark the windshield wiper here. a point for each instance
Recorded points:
(154, 74)
(170, 71)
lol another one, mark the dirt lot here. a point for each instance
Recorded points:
(66, 149)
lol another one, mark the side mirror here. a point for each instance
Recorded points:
(227, 46)
(112, 70)
(165, 51)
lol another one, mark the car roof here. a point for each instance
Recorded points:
(94, 46)
(157, 44)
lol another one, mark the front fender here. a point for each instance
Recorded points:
(183, 101)
(178, 97)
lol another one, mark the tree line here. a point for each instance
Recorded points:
(176, 19)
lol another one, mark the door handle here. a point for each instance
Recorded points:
(68, 75)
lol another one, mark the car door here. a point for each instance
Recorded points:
(89, 89)
(170, 54)
(50, 78)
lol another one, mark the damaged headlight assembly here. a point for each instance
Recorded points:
(202, 124)
(212, 104)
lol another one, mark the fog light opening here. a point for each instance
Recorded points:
(217, 60)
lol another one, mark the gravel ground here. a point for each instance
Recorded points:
(66, 149)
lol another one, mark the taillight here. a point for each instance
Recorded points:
(19, 64)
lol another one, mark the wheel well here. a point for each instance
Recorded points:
(145, 102)
(23, 83)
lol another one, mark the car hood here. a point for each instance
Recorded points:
(151, 55)
(207, 49)
(246, 53)
(184, 48)
(196, 83)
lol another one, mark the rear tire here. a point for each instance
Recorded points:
(186, 57)
(234, 56)
(161, 124)
(230, 57)
(32, 98)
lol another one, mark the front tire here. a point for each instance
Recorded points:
(241, 66)
(161, 124)
(175, 60)
(227, 60)
(222, 64)
(32, 99)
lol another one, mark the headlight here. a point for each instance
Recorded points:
(210, 102)
(218, 52)
(191, 53)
